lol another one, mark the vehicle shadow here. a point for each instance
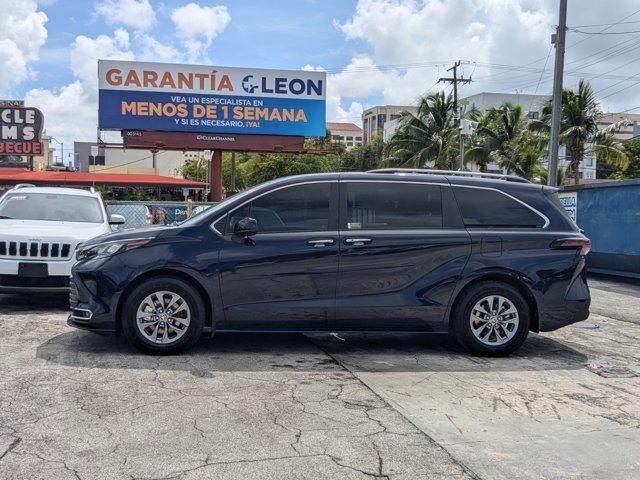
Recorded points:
(17, 303)
(248, 352)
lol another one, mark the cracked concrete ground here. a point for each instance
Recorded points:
(76, 405)
(539, 413)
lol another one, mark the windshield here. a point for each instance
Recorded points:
(48, 206)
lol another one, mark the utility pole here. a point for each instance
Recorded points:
(454, 81)
(558, 39)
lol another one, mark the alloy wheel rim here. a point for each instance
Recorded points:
(163, 317)
(494, 320)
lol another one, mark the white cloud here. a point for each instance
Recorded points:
(22, 33)
(136, 14)
(86, 51)
(197, 26)
(407, 39)
(71, 112)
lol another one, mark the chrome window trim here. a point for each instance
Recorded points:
(537, 212)
(216, 231)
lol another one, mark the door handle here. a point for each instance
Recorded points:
(321, 242)
(356, 242)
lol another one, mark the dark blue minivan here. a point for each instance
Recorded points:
(486, 258)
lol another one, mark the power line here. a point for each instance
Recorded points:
(603, 33)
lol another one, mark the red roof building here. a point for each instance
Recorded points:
(13, 176)
(348, 134)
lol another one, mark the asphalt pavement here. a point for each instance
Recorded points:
(81, 406)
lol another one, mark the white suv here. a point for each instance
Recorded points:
(40, 228)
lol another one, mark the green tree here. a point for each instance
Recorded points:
(503, 138)
(195, 169)
(241, 181)
(363, 157)
(426, 137)
(632, 150)
(267, 167)
(579, 131)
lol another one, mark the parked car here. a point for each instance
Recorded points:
(40, 230)
(487, 259)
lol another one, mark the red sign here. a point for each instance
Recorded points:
(20, 131)
(20, 148)
(212, 141)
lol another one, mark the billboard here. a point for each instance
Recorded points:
(196, 98)
(20, 135)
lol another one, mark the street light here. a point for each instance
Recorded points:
(61, 148)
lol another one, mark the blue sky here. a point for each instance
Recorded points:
(294, 34)
(375, 51)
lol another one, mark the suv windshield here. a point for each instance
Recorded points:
(50, 206)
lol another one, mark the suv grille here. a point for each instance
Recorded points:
(34, 249)
(73, 293)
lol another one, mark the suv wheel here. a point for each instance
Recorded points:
(491, 318)
(163, 316)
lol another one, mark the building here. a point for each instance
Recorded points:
(532, 106)
(130, 161)
(42, 161)
(164, 188)
(375, 118)
(625, 133)
(347, 134)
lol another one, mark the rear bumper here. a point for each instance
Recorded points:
(574, 306)
(569, 312)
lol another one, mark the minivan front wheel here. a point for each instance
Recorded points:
(163, 316)
(491, 318)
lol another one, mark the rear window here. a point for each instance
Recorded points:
(481, 208)
(393, 206)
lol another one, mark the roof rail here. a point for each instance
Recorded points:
(426, 171)
(23, 185)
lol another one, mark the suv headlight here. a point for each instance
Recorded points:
(110, 248)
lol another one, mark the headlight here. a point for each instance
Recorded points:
(110, 248)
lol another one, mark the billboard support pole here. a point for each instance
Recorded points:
(215, 176)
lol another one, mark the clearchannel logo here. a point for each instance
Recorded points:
(283, 86)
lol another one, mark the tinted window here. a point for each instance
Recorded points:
(48, 206)
(302, 208)
(389, 206)
(488, 208)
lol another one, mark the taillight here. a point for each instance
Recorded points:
(567, 243)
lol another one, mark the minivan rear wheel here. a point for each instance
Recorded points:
(163, 316)
(491, 318)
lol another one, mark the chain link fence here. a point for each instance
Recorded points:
(145, 214)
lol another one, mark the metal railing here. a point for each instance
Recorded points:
(149, 213)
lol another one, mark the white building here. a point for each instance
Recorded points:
(348, 134)
(136, 161)
(532, 106)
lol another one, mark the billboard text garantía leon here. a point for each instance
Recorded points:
(197, 98)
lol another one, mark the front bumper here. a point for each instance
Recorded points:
(87, 311)
(56, 282)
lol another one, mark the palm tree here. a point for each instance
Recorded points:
(425, 137)
(579, 131)
(502, 138)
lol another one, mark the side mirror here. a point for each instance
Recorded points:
(115, 219)
(246, 227)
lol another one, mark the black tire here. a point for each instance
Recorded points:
(168, 284)
(461, 318)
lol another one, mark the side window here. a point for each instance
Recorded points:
(301, 208)
(393, 205)
(482, 208)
